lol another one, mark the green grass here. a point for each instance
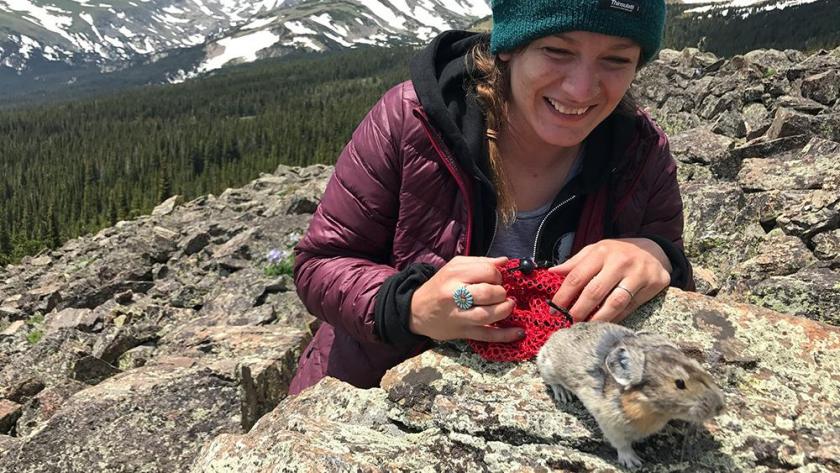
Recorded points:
(36, 321)
(284, 267)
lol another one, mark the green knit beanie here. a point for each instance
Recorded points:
(518, 22)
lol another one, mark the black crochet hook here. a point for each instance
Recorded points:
(563, 311)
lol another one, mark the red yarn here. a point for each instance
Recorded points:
(531, 312)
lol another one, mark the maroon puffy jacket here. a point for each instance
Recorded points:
(398, 197)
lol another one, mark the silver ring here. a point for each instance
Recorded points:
(619, 286)
(463, 298)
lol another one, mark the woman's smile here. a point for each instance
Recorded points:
(567, 113)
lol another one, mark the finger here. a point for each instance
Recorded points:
(566, 266)
(494, 334)
(596, 292)
(626, 312)
(480, 259)
(644, 295)
(575, 282)
(478, 272)
(616, 303)
(487, 294)
(487, 314)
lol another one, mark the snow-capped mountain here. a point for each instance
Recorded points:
(329, 25)
(113, 33)
(747, 6)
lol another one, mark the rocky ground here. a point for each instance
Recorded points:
(166, 343)
(756, 138)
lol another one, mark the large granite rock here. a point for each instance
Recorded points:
(448, 410)
(154, 418)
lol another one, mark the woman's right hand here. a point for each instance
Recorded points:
(435, 315)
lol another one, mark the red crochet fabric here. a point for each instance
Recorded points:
(531, 312)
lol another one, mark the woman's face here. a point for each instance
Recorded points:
(564, 85)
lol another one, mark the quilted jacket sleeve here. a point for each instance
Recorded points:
(663, 218)
(343, 258)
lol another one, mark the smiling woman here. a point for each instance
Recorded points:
(519, 144)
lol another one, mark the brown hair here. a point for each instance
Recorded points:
(491, 86)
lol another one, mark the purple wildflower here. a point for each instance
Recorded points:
(275, 256)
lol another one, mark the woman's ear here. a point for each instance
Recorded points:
(505, 56)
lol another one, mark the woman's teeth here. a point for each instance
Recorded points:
(566, 110)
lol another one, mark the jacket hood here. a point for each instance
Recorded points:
(440, 76)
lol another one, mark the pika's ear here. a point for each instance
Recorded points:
(626, 365)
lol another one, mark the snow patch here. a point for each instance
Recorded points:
(259, 23)
(126, 32)
(203, 7)
(171, 9)
(338, 39)
(476, 8)
(43, 16)
(763, 5)
(305, 42)
(242, 47)
(429, 18)
(380, 10)
(326, 20)
(297, 27)
(425, 33)
(27, 44)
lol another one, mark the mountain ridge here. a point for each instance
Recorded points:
(50, 44)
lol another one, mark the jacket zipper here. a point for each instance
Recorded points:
(542, 224)
(453, 169)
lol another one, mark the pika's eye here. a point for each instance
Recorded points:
(680, 384)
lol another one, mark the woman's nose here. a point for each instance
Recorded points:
(582, 83)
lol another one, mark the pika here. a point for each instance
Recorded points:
(632, 383)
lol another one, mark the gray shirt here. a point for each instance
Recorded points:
(517, 240)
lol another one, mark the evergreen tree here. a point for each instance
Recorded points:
(164, 186)
(5, 244)
(53, 237)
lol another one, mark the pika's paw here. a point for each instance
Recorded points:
(561, 394)
(629, 459)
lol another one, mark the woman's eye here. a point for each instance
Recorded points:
(558, 51)
(619, 60)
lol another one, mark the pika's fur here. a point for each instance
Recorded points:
(632, 383)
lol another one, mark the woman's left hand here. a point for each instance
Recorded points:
(618, 275)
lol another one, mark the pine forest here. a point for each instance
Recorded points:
(73, 168)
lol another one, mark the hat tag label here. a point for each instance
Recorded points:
(625, 6)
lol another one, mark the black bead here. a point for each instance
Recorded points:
(527, 265)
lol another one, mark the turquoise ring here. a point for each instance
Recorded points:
(463, 298)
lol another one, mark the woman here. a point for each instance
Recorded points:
(520, 144)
